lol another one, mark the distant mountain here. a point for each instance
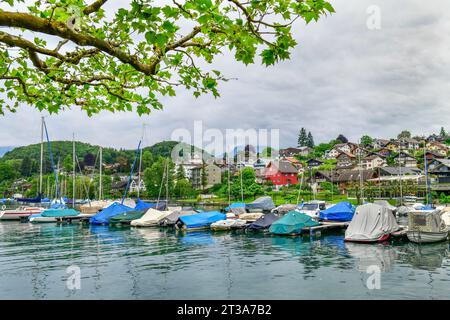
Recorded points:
(86, 153)
(4, 150)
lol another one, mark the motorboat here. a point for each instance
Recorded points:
(426, 226)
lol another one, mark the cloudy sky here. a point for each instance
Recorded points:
(342, 78)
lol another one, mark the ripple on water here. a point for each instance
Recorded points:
(133, 263)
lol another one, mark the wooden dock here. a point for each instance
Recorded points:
(317, 230)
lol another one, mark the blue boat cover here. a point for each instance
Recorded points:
(235, 205)
(113, 210)
(202, 219)
(343, 211)
(143, 206)
(292, 223)
(37, 199)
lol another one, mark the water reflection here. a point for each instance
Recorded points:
(136, 263)
(367, 255)
(426, 256)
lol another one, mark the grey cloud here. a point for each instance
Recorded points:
(342, 78)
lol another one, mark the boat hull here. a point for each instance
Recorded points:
(427, 237)
(383, 238)
(18, 214)
(42, 219)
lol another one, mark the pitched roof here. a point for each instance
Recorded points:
(284, 166)
(354, 175)
(395, 171)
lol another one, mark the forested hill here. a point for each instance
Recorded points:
(86, 153)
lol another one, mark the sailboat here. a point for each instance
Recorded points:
(152, 216)
(116, 208)
(426, 225)
(58, 207)
(24, 211)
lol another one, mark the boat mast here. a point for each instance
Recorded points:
(73, 170)
(361, 172)
(428, 194)
(400, 170)
(42, 155)
(100, 191)
(140, 163)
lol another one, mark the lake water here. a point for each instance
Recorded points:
(128, 263)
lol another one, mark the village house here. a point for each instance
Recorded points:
(292, 152)
(384, 152)
(281, 173)
(345, 160)
(347, 178)
(397, 171)
(373, 161)
(213, 175)
(437, 147)
(135, 184)
(442, 171)
(296, 163)
(405, 159)
(314, 163)
(379, 143)
(433, 159)
(409, 144)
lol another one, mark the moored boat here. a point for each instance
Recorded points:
(151, 218)
(19, 213)
(199, 221)
(228, 224)
(340, 212)
(264, 222)
(126, 217)
(426, 226)
(371, 223)
(292, 224)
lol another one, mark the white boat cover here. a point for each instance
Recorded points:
(251, 217)
(374, 255)
(386, 204)
(285, 208)
(371, 222)
(426, 221)
(228, 224)
(151, 218)
(445, 217)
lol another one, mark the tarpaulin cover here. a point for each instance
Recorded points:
(126, 216)
(264, 222)
(235, 205)
(152, 217)
(292, 223)
(343, 211)
(263, 203)
(109, 212)
(371, 222)
(30, 200)
(143, 206)
(172, 218)
(60, 213)
(386, 204)
(202, 219)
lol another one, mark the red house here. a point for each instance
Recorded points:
(281, 173)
